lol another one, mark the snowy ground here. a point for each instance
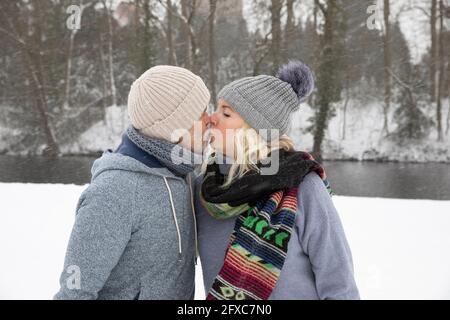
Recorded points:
(401, 248)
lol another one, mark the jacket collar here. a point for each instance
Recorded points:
(128, 148)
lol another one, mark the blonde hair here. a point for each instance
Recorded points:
(249, 149)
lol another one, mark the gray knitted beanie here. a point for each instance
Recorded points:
(267, 102)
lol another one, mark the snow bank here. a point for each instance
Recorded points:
(400, 247)
(103, 135)
(364, 138)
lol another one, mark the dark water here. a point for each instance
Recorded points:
(390, 179)
(368, 179)
(68, 170)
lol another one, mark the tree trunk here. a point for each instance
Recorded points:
(146, 51)
(347, 99)
(186, 37)
(66, 103)
(73, 33)
(112, 82)
(433, 55)
(32, 62)
(104, 71)
(448, 88)
(387, 65)
(275, 10)
(193, 45)
(171, 57)
(34, 66)
(27, 37)
(441, 71)
(212, 50)
(315, 19)
(314, 55)
(289, 31)
(326, 68)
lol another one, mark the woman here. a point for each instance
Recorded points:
(268, 236)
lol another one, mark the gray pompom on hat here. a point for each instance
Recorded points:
(268, 102)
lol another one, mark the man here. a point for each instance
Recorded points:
(134, 235)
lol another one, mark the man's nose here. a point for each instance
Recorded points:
(205, 118)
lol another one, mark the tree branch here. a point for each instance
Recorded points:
(321, 6)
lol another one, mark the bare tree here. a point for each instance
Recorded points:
(433, 58)
(262, 48)
(289, 31)
(441, 71)
(447, 129)
(275, 18)
(329, 70)
(73, 33)
(387, 65)
(212, 49)
(324, 82)
(112, 83)
(188, 11)
(186, 36)
(27, 38)
(344, 108)
(171, 55)
(103, 69)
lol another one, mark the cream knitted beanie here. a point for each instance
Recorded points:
(166, 98)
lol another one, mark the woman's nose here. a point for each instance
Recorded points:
(213, 119)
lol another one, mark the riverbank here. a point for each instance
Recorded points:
(363, 139)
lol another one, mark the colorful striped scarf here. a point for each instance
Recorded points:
(257, 247)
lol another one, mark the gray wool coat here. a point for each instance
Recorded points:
(127, 242)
